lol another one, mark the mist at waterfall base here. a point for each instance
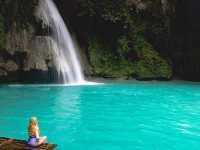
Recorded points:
(64, 49)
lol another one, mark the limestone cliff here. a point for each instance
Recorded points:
(25, 52)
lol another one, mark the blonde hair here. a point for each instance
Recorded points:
(32, 126)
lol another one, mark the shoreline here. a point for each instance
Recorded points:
(97, 81)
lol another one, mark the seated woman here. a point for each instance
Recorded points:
(33, 132)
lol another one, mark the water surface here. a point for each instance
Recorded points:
(114, 116)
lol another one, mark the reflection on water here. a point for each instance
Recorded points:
(68, 102)
(66, 109)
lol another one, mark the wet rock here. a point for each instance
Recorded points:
(40, 57)
(35, 61)
(11, 66)
(37, 48)
(3, 72)
(19, 40)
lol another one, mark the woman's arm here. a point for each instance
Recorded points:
(37, 132)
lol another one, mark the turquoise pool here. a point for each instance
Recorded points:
(113, 116)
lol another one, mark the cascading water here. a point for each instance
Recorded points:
(64, 50)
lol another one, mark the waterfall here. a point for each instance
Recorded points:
(64, 49)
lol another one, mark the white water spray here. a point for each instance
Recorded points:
(64, 49)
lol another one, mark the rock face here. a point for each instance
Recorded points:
(18, 40)
(147, 64)
(3, 73)
(170, 30)
(10, 66)
(40, 56)
(28, 57)
(25, 54)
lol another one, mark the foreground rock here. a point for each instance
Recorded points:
(13, 144)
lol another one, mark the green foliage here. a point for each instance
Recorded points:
(19, 12)
(147, 18)
(87, 7)
(105, 63)
(151, 64)
(133, 21)
(123, 46)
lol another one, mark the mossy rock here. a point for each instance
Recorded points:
(150, 65)
(107, 64)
